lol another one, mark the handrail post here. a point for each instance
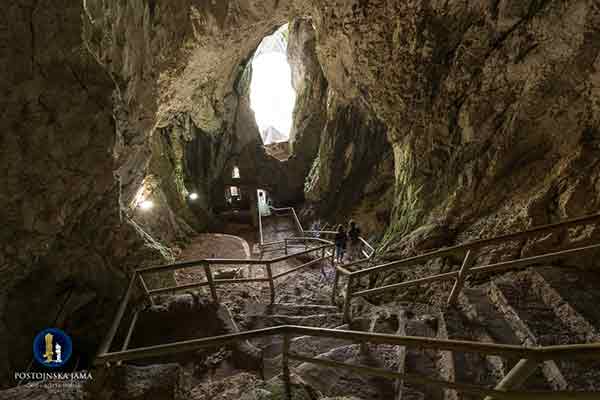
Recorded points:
(105, 346)
(348, 299)
(211, 283)
(145, 288)
(322, 263)
(260, 229)
(286, 367)
(460, 279)
(516, 376)
(271, 284)
(125, 345)
(336, 279)
(286, 246)
(332, 260)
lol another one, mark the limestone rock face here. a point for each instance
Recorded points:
(466, 119)
(353, 173)
(175, 60)
(65, 247)
(311, 93)
(491, 107)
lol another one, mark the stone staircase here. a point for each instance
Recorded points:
(541, 306)
(547, 306)
(533, 307)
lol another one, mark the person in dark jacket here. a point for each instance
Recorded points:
(340, 243)
(354, 236)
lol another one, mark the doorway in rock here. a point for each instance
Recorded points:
(264, 202)
(272, 97)
(234, 198)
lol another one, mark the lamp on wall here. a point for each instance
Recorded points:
(146, 205)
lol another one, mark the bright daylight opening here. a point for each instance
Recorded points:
(271, 94)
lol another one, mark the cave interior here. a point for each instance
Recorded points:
(457, 136)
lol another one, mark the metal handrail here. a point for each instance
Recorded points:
(478, 244)
(368, 255)
(260, 228)
(226, 261)
(138, 276)
(467, 268)
(531, 354)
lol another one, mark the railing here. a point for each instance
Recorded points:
(530, 358)
(366, 249)
(468, 252)
(211, 282)
(287, 210)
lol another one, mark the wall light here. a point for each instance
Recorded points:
(193, 196)
(146, 205)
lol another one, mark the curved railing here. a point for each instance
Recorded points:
(530, 357)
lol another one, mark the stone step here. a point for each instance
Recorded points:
(471, 368)
(537, 323)
(289, 309)
(476, 305)
(306, 345)
(573, 295)
(265, 321)
(321, 320)
(425, 362)
(341, 382)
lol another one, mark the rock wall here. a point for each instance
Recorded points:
(491, 109)
(352, 176)
(311, 99)
(65, 246)
(491, 106)
(202, 80)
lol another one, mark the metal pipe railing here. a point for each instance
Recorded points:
(260, 228)
(478, 244)
(533, 355)
(207, 263)
(298, 224)
(466, 269)
(530, 357)
(112, 331)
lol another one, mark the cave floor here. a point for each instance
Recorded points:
(210, 245)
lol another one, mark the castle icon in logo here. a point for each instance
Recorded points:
(52, 347)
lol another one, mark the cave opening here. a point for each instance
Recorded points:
(272, 96)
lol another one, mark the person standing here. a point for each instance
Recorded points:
(354, 236)
(340, 243)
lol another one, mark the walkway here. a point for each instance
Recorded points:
(277, 228)
(210, 245)
(308, 287)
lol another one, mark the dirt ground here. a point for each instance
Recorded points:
(238, 243)
(210, 245)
